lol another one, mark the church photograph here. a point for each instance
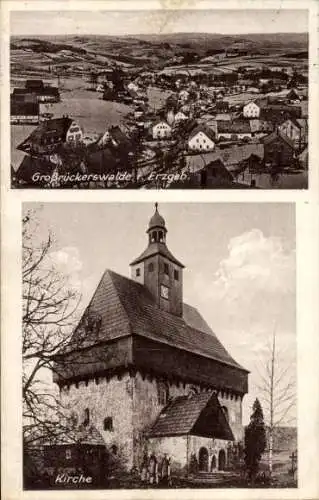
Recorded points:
(149, 321)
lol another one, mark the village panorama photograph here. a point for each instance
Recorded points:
(150, 362)
(158, 99)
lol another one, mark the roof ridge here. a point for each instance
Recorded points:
(110, 273)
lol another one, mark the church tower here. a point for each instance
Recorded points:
(158, 270)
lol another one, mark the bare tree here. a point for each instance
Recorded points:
(277, 392)
(49, 309)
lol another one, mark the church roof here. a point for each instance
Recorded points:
(126, 308)
(199, 414)
(157, 248)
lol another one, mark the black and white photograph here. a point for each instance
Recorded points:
(159, 345)
(158, 99)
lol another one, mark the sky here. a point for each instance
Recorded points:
(239, 258)
(158, 21)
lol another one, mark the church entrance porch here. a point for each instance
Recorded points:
(203, 460)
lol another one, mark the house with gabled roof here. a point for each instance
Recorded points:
(253, 108)
(161, 130)
(293, 97)
(201, 138)
(146, 370)
(50, 134)
(279, 150)
(295, 129)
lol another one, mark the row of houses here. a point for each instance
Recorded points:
(204, 138)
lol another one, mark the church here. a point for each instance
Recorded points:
(146, 372)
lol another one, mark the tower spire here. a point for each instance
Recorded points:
(156, 227)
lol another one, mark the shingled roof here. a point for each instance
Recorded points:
(154, 249)
(56, 129)
(199, 415)
(127, 308)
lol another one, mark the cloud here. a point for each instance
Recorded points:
(256, 264)
(251, 293)
(67, 261)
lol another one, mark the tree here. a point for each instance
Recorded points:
(255, 440)
(49, 309)
(277, 390)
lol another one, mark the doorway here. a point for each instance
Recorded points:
(221, 460)
(203, 460)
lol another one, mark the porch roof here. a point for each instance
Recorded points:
(198, 415)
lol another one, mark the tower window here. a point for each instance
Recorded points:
(151, 267)
(166, 269)
(108, 424)
(176, 275)
(138, 272)
(68, 454)
(160, 236)
(86, 417)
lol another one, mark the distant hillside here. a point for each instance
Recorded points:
(285, 439)
(157, 50)
(285, 40)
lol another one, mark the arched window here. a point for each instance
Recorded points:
(108, 424)
(163, 392)
(151, 267)
(86, 416)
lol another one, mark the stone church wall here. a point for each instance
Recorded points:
(234, 407)
(112, 398)
(146, 408)
(174, 447)
(133, 404)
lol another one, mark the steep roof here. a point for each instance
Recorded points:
(239, 126)
(156, 248)
(200, 415)
(205, 130)
(277, 134)
(31, 165)
(79, 435)
(121, 139)
(126, 308)
(55, 128)
(158, 121)
(293, 94)
(229, 156)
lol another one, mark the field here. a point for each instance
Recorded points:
(155, 52)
